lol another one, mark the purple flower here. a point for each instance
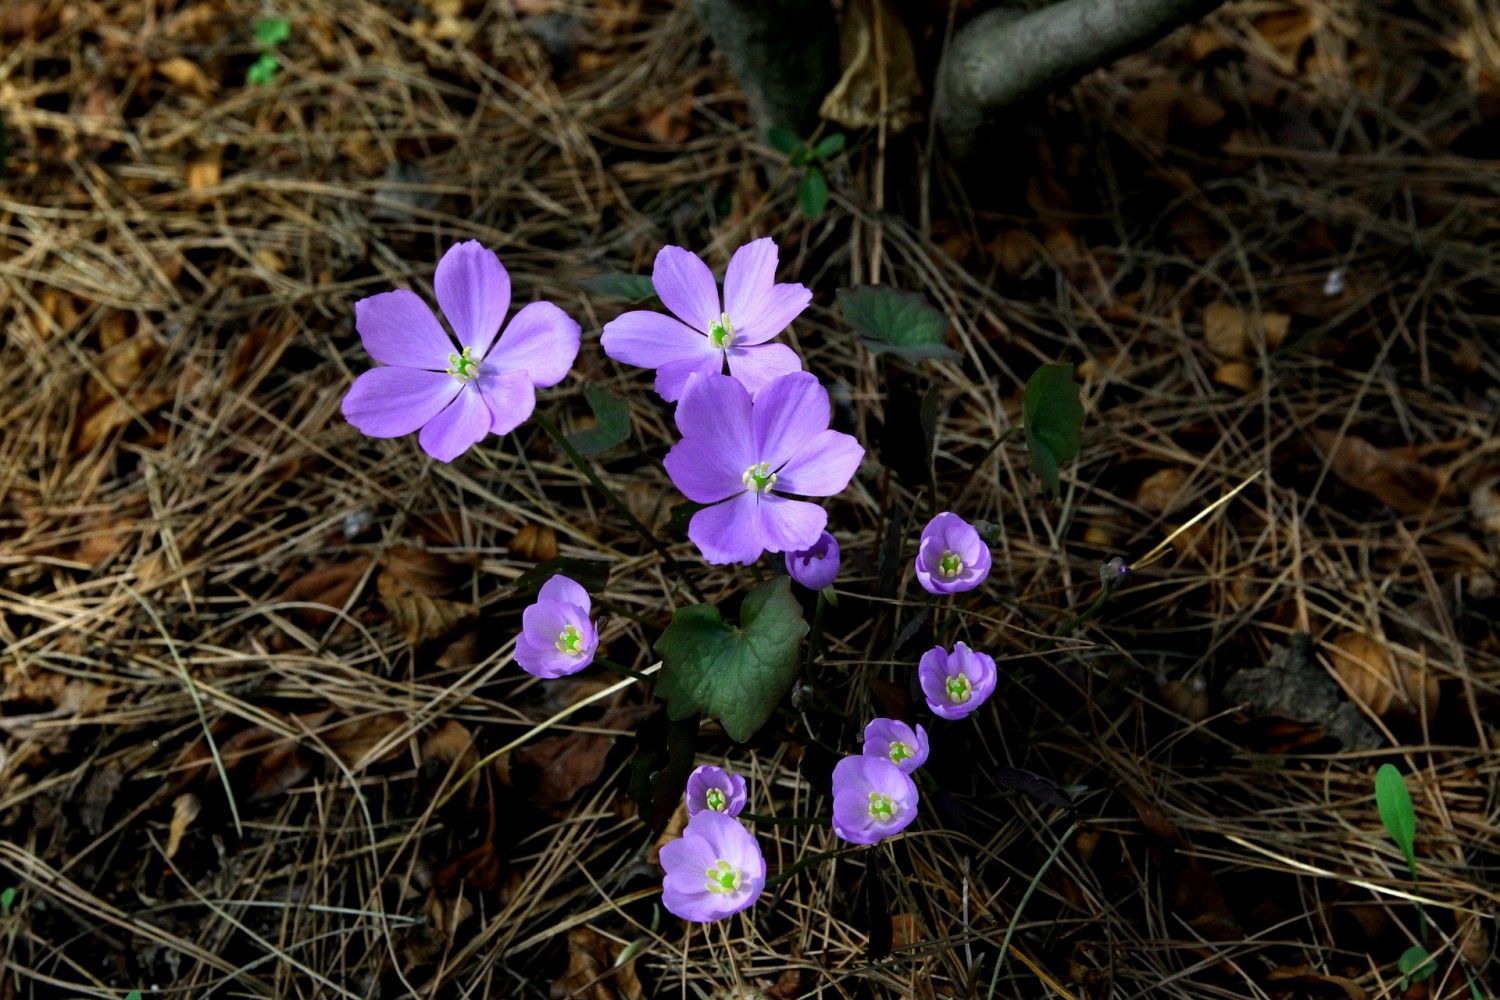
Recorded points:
(895, 741)
(815, 566)
(456, 398)
(557, 637)
(952, 556)
(714, 869)
(715, 789)
(737, 450)
(955, 683)
(872, 799)
(755, 309)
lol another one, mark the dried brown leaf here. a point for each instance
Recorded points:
(185, 809)
(880, 78)
(1377, 678)
(534, 542)
(1393, 476)
(329, 588)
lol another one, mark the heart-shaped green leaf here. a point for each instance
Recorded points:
(736, 675)
(1052, 414)
(1397, 812)
(1415, 965)
(613, 415)
(897, 322)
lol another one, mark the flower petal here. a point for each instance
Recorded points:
(390, 402)
(650, 340)
(823, 466)
(451, 433)
(540, 340)
(686, 286)
(672, 378)
(789, 410)
(782, 304)
(755, 366)
(709, 463)
(748, 280)
(509, 397)
(728, 532)
(474, 292)
(560, 588)
(398, 328)
(789, 525)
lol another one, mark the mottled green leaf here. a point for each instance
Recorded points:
(613, 415)
(736, 675)
(1052, 414)
(893, 321)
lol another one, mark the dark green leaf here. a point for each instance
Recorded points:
(814, 194)
(613, 415)
(133, 995)
(1397, 813)
(263, 71)
(1052, 414)
(7, 899)
(590, 574)
(828, 146)
(783, 140)
(272, 31)
(1415, 965)
(661, 765)
(736, 675)
(635, 287)
(891, 320)
(681, 514)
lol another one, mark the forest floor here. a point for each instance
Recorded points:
(252, 659)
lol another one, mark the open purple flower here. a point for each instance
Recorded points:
(715, 789)
(955, 683)
(952, 557)
(713, 870)
(704, 337)
(735, 451)
(557, 638)
(872, 799)
(456, 397)
(896, 742)
(815, 567)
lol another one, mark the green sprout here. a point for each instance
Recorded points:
(269, 32)
(1400, 818)
(813, 194)
(7, 900)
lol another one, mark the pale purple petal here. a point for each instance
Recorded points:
(756, 366)
(897, 742)
(686, 286)
(788, 525)
(540, 340)
(789, 411)
(543, 625)
(703, 471)
(560, 588)
(672, 377)
(856, 780)
(711, 839)
(729, 532)
(817, 566)
(474, 293)
(509, 397)
(938, 666)
(390, 402)
(397, 328)
(452, 432)
(947, 532)
(748, 280)
(650, 340)
(709, 463)
(731, 797)
(822, 467)
(782, 304)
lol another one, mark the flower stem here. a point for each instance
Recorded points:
(807, 862)
(815, 636)
(614, 500)
(620, 669)
(1000, 439)
(786, 820)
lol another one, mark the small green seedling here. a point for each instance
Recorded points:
(7, 900)
(133, 995)
(813, 194)
(1400, 818)
(269, 32)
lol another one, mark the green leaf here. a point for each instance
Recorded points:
(635, 287)
(736, 675)
(897, 322)
(1397, 813)
(133, 995)
(272, 31)
(783, 140)
(828, 146)
(590, 574)
(264, 70)
(1415, 965)
(661, 765)
(1052, 414)
(613, 414)
(7, 899)
(814, 194)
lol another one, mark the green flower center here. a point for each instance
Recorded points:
(723, 878)
(721, 332)
(715, 800)
(570, 641)
(958, 689)
(949, 565)
(881, 806)
(463, 366)
(900, 751)
(759, 477)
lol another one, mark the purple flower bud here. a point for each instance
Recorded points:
(896, 742)
(952, 557)
(713, 870)
(815, 567)
(715, 789)
(557, 638)
(872, 799)
(955, 683)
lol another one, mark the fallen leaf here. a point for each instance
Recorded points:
(413, 586)
(1161, 491)
(354, 741)
(1235, 375)
(534, 542)
(1394, 476)
(327, 589)
(186, 74)
(671, 123)
(593, 972)
(1373, 676)
(879, 79)
(206, 170)
(1224, 330)
(185, 809)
